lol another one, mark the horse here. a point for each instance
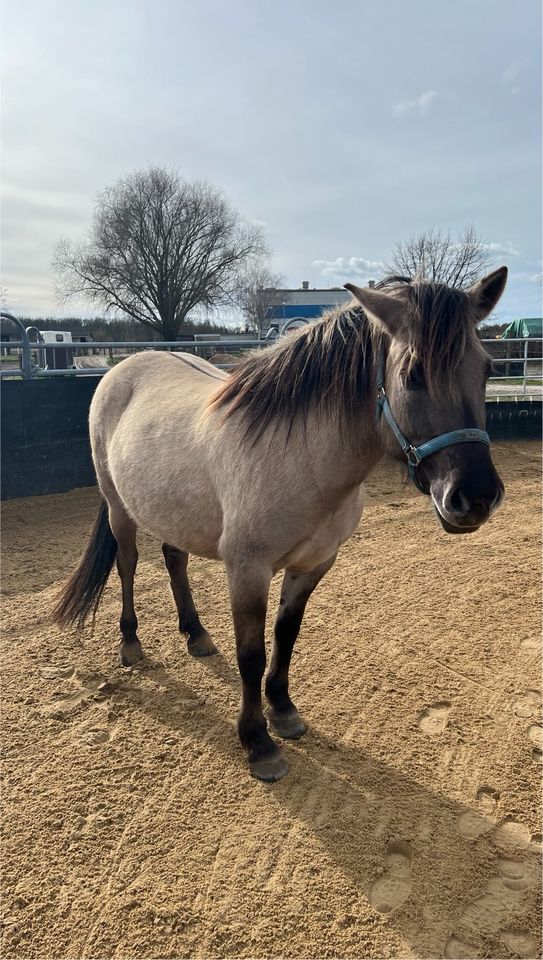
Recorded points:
(263, 468)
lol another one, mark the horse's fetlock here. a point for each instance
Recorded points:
(277, 692)
(254, 736)
(128, 624)
(191, 626)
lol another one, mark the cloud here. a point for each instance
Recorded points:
(511, 75)
(526, 276)
(511, 72)
(349, 268)
(420, 105)
(507, 249)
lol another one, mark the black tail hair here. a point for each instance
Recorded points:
(83, 591)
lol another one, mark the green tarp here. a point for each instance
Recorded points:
(526, 327)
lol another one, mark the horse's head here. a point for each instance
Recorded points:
(433, 371)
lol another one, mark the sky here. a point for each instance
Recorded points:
(343, 128)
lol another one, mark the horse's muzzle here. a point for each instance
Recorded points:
(464, 485)
(458, 512)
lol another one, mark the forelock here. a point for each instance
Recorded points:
(438, 323)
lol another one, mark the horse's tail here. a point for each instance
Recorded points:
(83, 591)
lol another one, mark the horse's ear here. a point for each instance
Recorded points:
(486, 293)
(382, 307)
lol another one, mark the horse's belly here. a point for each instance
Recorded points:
(183, 523)
(199, 539)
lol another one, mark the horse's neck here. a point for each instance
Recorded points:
(343, 454)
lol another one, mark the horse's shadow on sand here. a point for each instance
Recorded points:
(358, 807)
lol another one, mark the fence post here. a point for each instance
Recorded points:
(26, 360)
(525, 369)
(40, 353)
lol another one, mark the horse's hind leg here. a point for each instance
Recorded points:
(295, 592)
(124, 531)
(199, 643)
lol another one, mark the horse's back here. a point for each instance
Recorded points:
(166, 378)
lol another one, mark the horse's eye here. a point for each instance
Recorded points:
(415, 378)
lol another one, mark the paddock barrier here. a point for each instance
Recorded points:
(44, 417)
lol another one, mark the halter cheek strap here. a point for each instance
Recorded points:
(415, 455)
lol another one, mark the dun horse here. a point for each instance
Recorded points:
(264, 468)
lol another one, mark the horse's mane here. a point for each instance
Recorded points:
(328, 364)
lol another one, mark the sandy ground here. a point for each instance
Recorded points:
(409, 823)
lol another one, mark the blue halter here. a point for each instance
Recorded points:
(415, 455)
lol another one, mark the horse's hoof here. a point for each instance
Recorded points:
(269, 768)
(288, 725)
(202, 646)
(130, 653)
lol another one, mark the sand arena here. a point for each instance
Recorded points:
(409, 823)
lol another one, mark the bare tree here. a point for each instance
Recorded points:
(433, 255)
(257, 291)
(158, 247)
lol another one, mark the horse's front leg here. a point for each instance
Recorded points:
(295, 592)
(249, 586)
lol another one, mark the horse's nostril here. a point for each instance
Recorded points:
(497, 500)
(458, 502)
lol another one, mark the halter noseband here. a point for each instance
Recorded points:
(415, 455)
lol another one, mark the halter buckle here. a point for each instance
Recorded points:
(412, 456)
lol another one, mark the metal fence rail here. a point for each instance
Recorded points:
(32, 358)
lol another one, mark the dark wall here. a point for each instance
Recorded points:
(45, 437)
(514, 419)
(45, 441)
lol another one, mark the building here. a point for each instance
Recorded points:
(296, 307)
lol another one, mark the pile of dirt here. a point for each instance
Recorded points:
(408, 825)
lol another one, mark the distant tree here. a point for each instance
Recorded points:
(72, 324)
(159, 246)
(102, 328)
(433, 255)
(257, 291)
(491, 330)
